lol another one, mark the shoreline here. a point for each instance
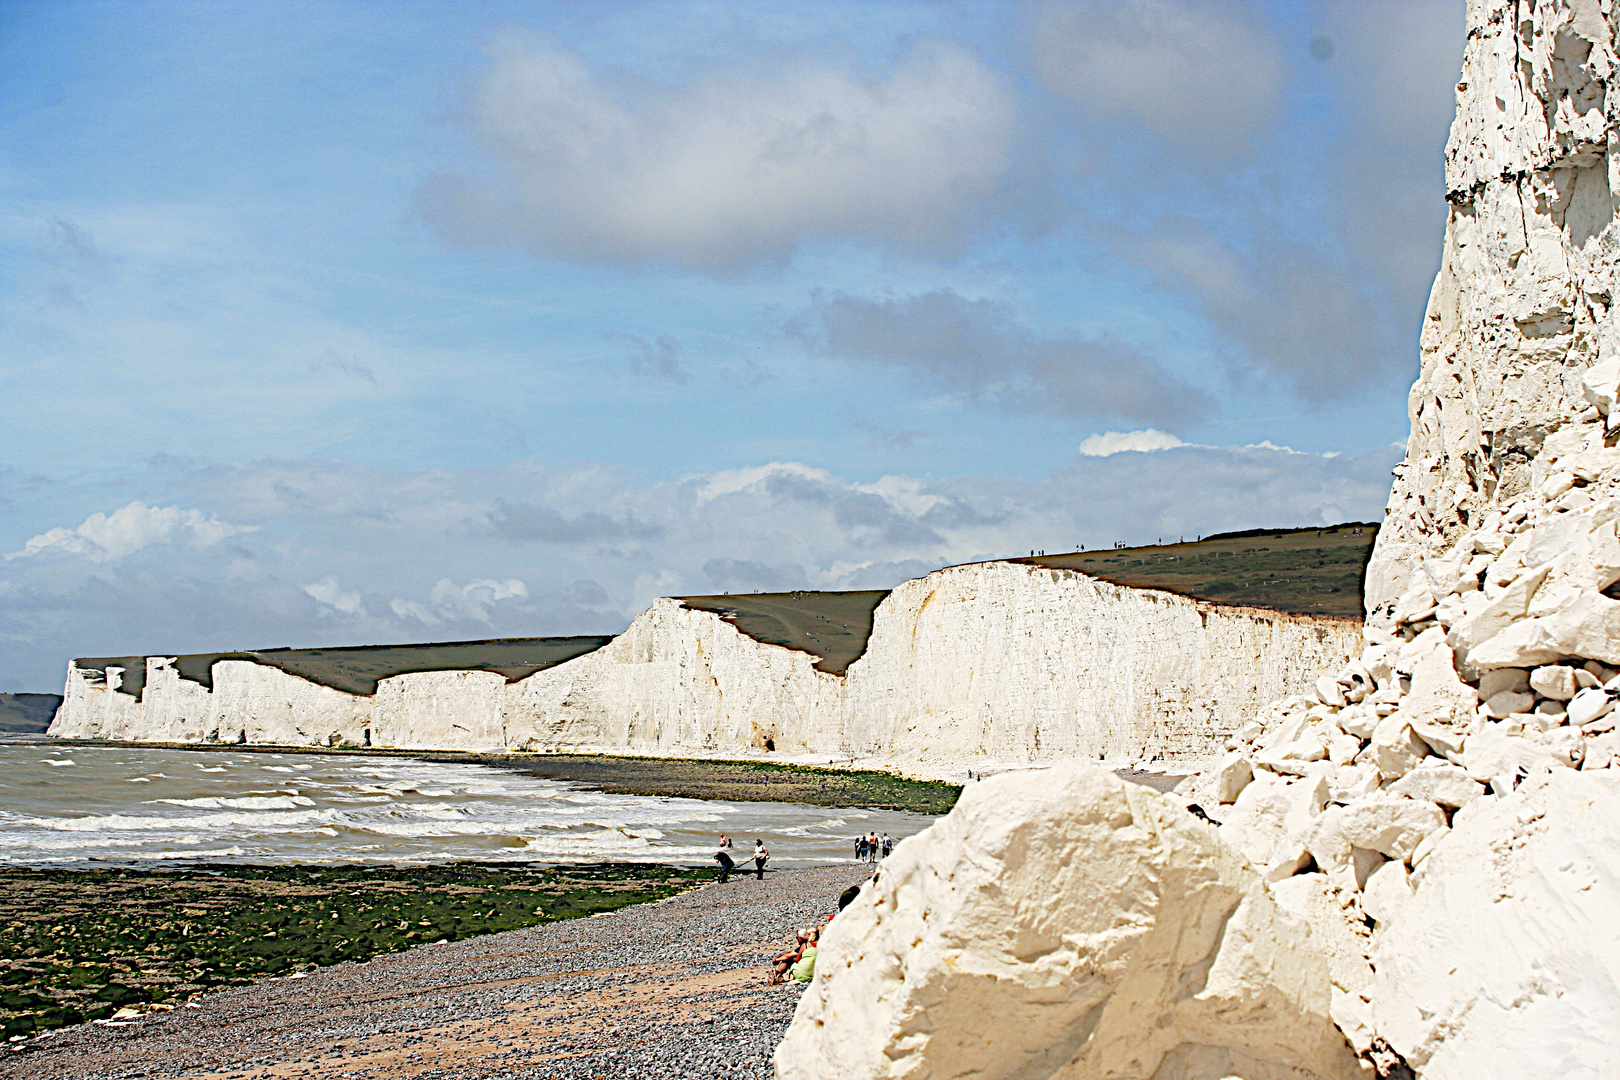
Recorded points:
(725, 779)
(85, 942)
(938, 793)
(676, 984)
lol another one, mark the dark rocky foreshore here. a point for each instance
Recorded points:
(667, 990)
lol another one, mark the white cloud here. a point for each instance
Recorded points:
(328, 592)
(108, 537)
(979, 349)
(734, 169)
(1117, 442)
(722, 482)
(449, 602)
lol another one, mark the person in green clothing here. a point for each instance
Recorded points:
(805, 969)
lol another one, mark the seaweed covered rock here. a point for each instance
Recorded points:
(1065, 923)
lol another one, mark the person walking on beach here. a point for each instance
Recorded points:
(872, 848)
(761, 856)
(860, 848)
(888, 845)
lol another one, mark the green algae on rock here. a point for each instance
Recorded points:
(80, 944)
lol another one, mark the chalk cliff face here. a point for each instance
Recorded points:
(1441, 811)
(997, 661)
(1524, 301)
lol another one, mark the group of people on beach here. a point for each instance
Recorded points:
(728, 857)
(798, 961)
(870, 848)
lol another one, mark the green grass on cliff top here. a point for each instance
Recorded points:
(1302, 571)
(831, 626)
(357, 669)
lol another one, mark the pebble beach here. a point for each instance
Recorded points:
(669, 990)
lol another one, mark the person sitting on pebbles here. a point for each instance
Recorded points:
(805, 969)
(783, 961)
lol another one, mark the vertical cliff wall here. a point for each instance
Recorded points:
(997, 661)
(1523, 304)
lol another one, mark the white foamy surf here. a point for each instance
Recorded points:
(118, 804)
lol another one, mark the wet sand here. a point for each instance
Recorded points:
(672, 989)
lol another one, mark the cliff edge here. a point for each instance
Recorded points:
(986, 662)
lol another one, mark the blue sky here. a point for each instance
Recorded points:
(340, 323)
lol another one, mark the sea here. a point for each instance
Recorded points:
(81, 806)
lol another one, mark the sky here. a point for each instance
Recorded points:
(350, 323)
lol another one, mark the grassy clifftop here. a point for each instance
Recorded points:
(1303, 571)
(27, 714)
(357, 669)
(832, 626)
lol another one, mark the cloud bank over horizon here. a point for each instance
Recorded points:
(329, 553)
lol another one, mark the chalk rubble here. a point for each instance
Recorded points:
(1067, 924)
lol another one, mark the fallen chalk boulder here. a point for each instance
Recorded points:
(1065, 923)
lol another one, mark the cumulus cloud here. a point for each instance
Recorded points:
(1394, 68)
(1147, 440)
(523, 522)
(109, 537)
(433, 570)
(978, 349)
(327, 591)
(1296, 315)
(449, 602)
(1306, 236)
(748, 575)
(733, 169)
(659, 359)
(1200, 71)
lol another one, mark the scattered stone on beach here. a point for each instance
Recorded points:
(662, 991)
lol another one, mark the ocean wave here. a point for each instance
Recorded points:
(58, 842)
(110, 823)
(280, 802)
(347, 809)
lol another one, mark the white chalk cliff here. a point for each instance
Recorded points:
(991, 661)
(1441, 813)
